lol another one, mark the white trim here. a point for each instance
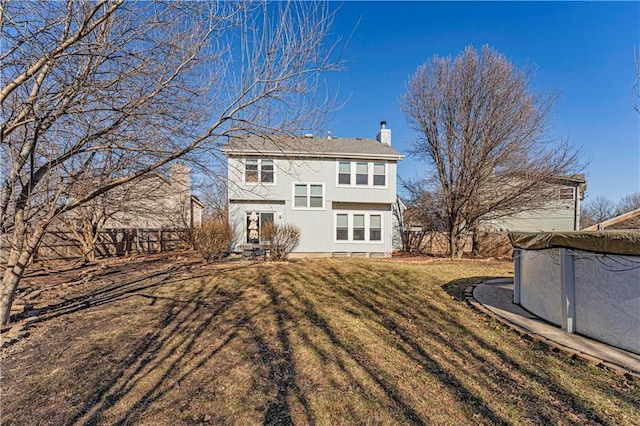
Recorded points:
(297, 154)
(352, 169)
(367, 227)
(308, 184)
(259, 159)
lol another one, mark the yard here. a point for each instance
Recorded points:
(336, 341)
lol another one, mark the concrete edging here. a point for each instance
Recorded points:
(550, 344)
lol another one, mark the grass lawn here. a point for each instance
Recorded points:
(333, 341)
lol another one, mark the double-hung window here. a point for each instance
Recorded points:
(342, 227)
(251, 171)
(266, 171)
(358, 227)
(308, 195)
(362, 173)
(259, 171)
(379, 174)
(344, 173)
(375, 227)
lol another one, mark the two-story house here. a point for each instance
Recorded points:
(338, 191)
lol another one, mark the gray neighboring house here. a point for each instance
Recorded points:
(154, 202)
(338, 191)
(560, 212)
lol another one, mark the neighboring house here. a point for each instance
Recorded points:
(145, 215)
(338, 191)
(155, 202)
(629, 220)
(560, 213)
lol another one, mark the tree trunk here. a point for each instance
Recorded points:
(453, 243)
(8, 288)
(475, 237)
(12, 275)
(23, 246)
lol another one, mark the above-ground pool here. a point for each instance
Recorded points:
(587, 282)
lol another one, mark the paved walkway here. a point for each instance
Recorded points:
(497, 297)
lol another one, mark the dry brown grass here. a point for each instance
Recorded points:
(309, 342)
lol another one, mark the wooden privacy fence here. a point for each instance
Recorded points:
(491, 244)
(111, 242)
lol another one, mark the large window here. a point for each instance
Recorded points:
(358, 227)
(259, 171)
(255, 225)
(308, 196)
(361, 173)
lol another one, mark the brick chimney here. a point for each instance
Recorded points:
(384, 136)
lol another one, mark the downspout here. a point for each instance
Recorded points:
(576, 208)
(191, 211)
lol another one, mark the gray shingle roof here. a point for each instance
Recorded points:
(303, 146)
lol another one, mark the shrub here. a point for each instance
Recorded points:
(213, 238)
(282, 239)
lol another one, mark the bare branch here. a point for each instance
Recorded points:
(483, 132)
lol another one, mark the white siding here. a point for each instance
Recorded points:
(307, 170)
(317, 225)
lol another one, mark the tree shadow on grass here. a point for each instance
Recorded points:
(456, 288)
(278, 357)
(287, 331)
(390, 308)
(165, 355)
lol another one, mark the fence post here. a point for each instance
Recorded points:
(137, 237)
(160, 240)
(517, 275)
(568, 286)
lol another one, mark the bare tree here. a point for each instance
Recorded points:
(596, 210)
(483, 131)
(628, 203)
(105, 92)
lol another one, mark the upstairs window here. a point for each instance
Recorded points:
(379, 174)
(566, 193)
(259, 171)
(362, 173)
(344, 173)
(308, 196)
(251, 171)
(266, 171)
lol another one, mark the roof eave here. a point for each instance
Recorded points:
(333, 155)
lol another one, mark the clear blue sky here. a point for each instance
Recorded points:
(582, 50)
